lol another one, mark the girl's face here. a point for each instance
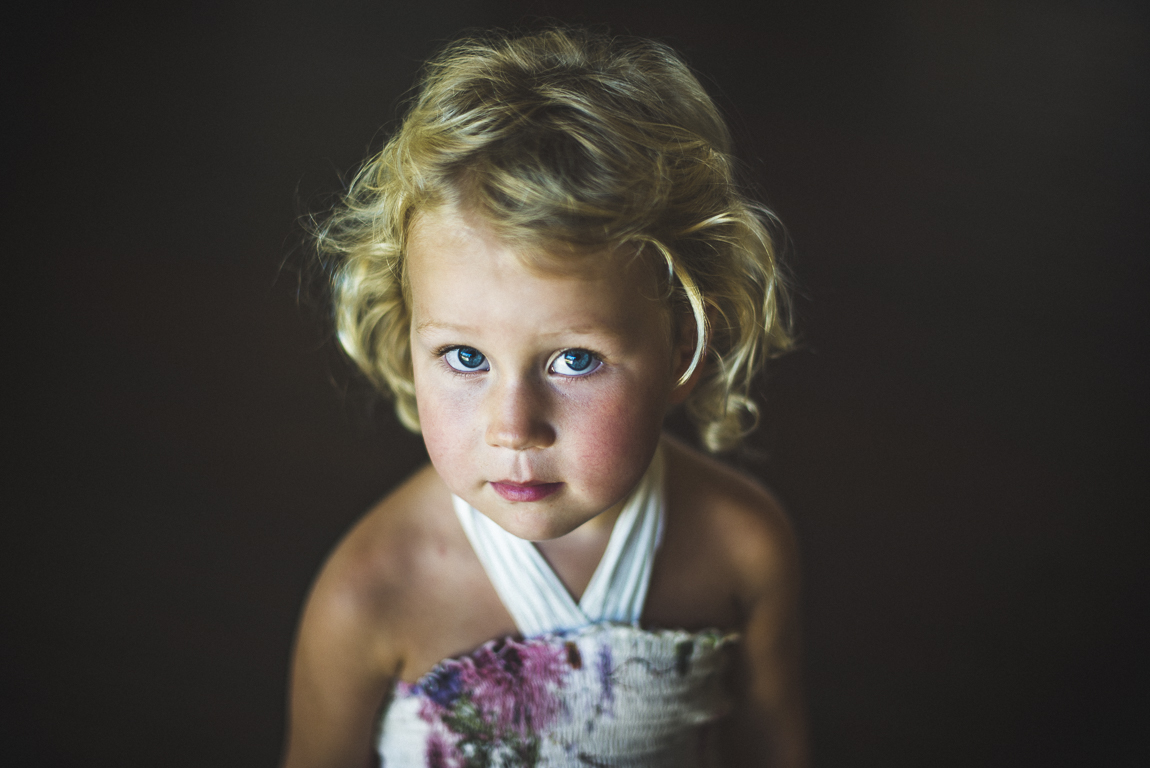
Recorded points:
(541, 390)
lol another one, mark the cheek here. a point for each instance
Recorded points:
(443, 421)
(620, 431)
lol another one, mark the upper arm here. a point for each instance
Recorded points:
(769, 725)
(342, 671)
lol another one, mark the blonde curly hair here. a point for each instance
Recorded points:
(567, 137)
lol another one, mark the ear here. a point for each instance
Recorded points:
(682, 353)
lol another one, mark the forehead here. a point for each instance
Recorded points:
(447, 229)
(457, 264)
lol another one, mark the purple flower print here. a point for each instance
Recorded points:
(606, 683)
(443, 686)
(493, 702)
(437, 753)
(513, 685)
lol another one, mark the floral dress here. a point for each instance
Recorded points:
(587, 686)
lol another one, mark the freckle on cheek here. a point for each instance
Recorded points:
(613, 443)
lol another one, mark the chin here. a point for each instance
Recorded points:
(535, 532)
(533, 524)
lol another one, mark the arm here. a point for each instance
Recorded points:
(742, 573)
(342, 671)
(769, 726)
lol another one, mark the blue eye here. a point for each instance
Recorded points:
(576, 362)
(467, 359)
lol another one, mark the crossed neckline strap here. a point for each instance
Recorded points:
(534, 595)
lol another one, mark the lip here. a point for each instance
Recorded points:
(525, 491)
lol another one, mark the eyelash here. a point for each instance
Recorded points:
(596, 361)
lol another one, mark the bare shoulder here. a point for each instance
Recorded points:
(743, 536)
(407, 581)
(741, 522)
(371, 574)
(351, 644)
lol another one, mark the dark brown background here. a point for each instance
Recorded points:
(961, 439)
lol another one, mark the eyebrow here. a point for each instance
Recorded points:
(432, 325)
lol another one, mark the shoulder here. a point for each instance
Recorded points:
(739, 525)
(370, 575)
(355, 620)
(742, 534)
(351, 644)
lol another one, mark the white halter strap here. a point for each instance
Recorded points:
(534, 595)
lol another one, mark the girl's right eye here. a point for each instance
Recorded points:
(467, 359)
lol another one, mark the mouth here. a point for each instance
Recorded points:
(525, 491)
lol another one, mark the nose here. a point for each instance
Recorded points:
(517, 417)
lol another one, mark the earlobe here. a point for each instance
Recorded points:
(687, 341)
(683, 389)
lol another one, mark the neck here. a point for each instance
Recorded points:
(575, 556)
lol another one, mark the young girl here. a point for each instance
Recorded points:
(548, 255)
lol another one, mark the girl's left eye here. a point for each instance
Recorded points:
(576, 362)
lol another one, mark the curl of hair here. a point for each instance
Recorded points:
(567, 137)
